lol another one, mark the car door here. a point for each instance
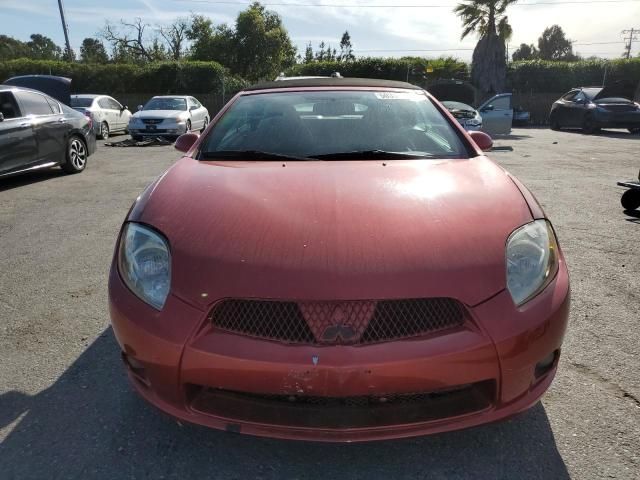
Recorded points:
(48, 123)
(18, 146)
(562, 107)
(118, 114)
(197, 114)
(109, 114)
(497, 115)
(575, 109)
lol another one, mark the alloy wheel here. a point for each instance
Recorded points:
(77, 154)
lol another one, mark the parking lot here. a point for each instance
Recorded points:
(66, 409)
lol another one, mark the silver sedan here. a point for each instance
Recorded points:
(168, 116)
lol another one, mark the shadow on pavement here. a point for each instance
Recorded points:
(634, 216)
(28, 178)
(89, 424)
(604, 133)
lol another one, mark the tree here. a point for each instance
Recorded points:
(554, 45)
(92, 51)
(11, 48)
(525, 52)
(262, 44)
(308, 54)
(346, 49)
(43, 48)
(488, 19)
(211, 43)
(130, 40)
(175, 35)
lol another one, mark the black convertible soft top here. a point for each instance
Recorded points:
(332, 82)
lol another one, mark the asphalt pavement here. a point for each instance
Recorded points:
(66, 410)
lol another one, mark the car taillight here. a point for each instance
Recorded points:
(90, 118)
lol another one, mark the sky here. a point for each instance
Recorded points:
(377, 27)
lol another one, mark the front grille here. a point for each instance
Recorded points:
(338, 323)
(152, 121)
(344, 412)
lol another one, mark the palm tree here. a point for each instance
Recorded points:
(488, 19)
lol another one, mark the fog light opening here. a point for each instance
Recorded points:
(136, 368)
(546, 364)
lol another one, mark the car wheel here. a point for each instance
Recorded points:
(104, 130)
(589, 125)
(630, 199)
(77, 155)
(188, 126)
(553, 122)
(204, 125)
(635, 131)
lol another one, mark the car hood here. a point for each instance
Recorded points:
(335, 230)
(624, 90)
(160, 114)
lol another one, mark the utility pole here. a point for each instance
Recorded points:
(64, 29)
(633, 32)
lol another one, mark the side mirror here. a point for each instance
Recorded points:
(483, 141)
(140, 107)
(186, 141)
(1, 117)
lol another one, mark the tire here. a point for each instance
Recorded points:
(630, 199)
(634, 131)
(76, 155)
(204, 125)
(553, 122)
(588, 125)
(188, 126)
(104, 131)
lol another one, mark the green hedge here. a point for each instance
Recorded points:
(387, 68)
(546, 76)
(159, 78)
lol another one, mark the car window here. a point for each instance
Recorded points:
(580, 97)
(308, 124)
(55, 106)
(502, 103)
(569, 96)
(81, 102)
(113, 105)
(104, 103)
(166, 103)
(9, 106)
(34, 103)
(196, 102)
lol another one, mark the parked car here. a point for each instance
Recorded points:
(497, 114)
(168, 116)
(37, 131)
(593, 108)
(466, 115)
(108, 115)
(521, 117)
(360, 273)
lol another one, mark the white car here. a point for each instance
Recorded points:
(168, 116)
(108, 115)
(465, 114)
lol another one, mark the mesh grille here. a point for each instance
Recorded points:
(338, 323)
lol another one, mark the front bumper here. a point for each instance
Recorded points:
(181, 365)
(160, 129)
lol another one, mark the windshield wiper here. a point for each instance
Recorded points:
(370, 154)
(248, 155)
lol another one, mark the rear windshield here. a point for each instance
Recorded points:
(166, 103)
(81, 102)
(307, 124)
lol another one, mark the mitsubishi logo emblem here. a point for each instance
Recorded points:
(338, 332)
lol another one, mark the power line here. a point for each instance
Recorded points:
(360, 5)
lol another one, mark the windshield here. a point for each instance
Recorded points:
(81, 102)
(322, 124)
(166, 103)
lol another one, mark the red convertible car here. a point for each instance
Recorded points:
(336, 259)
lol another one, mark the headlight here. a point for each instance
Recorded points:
(532, 260)
(144, 262)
